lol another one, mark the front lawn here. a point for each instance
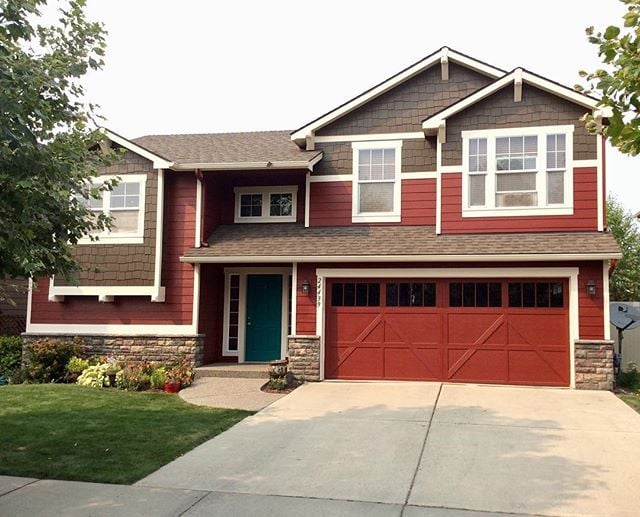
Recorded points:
(632, 399)
(59, 431)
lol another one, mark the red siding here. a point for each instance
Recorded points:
(584, 218)
(211, 312)
(591, 309)
(419, 202)
(306, 303)
(331, 203)
(177, 277)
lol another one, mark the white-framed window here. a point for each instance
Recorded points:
(517, 171)
(376, 181)
(266, 204)
(125, 204)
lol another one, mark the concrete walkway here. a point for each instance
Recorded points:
(378, 449)
(226, 392)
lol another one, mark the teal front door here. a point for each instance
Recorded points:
(263, 335)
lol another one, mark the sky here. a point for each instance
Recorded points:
(217, 66)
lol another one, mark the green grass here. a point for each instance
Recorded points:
(101, 435)
(632, 400)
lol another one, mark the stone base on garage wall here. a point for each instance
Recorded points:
(304, 357)
(594, 364)
(138, 348)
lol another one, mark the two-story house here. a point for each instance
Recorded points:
(447, 224)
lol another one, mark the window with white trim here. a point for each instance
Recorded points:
(376, 181)
(522, 171)
(125, 205)
(266, 204)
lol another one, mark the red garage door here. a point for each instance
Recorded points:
(492, 331)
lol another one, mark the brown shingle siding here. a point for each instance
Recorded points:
(123, 264)
(337, 159)
(402, 108)
(537, 108)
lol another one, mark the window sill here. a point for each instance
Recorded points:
(516, 212)
(283, 219)
(113, 239)
(376, 218)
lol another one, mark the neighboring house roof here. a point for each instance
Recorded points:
(443, 55)
(517, 77)
(252, 150)
(294, 242)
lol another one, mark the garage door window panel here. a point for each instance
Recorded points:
(475, 294)
(355, 294)
(411, 294)
(536, 294)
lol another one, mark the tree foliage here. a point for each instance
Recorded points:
(617, 83)
(49, 141)
(625, 282)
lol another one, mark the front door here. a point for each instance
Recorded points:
(263, 336)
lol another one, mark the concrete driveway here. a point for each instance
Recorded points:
(413, 449)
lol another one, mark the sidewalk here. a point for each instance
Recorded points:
(25, 497)
(228, 392)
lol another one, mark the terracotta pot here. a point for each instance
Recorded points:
(171, 387)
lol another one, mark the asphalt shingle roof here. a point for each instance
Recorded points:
(295, 240)
(260, 146)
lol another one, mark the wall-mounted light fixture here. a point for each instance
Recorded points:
(305, 286)
(591, 287)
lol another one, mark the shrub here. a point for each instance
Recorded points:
(158, 377)
(278, 384)
(10, 355)
(182, 373)
(47, 358)
(77, 364)
(630, 378)
(134, 377)
(95, 376)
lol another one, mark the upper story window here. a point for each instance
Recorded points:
(376, 181)
(125, 205)
(521, 171)
(266, 204)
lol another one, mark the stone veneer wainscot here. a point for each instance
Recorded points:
(304, 357)
(594, 364)
(138, 348)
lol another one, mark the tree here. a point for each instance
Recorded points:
(49, 139)
(625, 282)
(618, 82)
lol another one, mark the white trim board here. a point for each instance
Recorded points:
(570, 273)
(158, 161)
(299, 136)
(371, 137)
(280, 259)
(111, 330)
(159, 294)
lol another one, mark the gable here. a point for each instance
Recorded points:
(403, 108)
(537, 108)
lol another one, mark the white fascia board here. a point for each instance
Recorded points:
(307, 164)
(331, 178)
(533, 257)
(98, 290)
(110, 330)
(158, 161)
(431, 124)
(488, 272)
(453, 56)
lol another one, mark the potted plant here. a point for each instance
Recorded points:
(178, 376)
(112, 370)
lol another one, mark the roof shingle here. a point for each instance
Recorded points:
(260, 146)
(287, 240)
